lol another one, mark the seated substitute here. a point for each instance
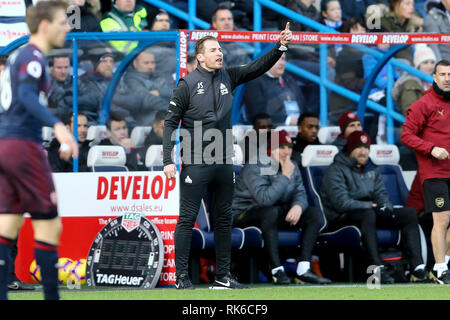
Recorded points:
(272, 202)
(155, 136)
(348, 122)
(353, 193)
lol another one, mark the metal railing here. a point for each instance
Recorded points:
(325, 84)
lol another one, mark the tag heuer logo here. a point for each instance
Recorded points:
(130, 221)
(439, 202)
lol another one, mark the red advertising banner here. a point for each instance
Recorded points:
(329, 38)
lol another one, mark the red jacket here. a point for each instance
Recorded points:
(428, 124)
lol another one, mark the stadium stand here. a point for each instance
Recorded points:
(47, 136)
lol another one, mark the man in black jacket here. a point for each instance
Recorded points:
(203, 100)
(353, 193)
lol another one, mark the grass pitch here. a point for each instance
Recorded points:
(257, 292)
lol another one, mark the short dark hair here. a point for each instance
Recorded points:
(43, 10)
(259, 116)
(305, 115)
(160, 116)
(200, 45)
(114, 116)
(442, 62)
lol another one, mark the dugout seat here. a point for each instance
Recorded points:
(106, 159)
(315, 160)
(239, 131)
(203, 235)
(387, 157)
(327, 135)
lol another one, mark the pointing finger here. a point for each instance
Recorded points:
(287, 26)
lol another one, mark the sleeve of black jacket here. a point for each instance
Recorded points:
(178, 104)
(253, 70)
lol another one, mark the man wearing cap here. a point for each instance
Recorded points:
(353, 193)
(427, 131)
(124, 16)
(278, 201)
(348, 122)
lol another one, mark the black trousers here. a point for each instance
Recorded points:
(194, 182)
(367, 220)
(271, 219)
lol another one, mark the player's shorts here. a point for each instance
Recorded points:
(26, 183)
(436, 193)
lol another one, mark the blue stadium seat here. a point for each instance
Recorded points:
(106, 159)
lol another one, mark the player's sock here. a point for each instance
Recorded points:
(447, 259)
(5, 265)
(47, 258)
